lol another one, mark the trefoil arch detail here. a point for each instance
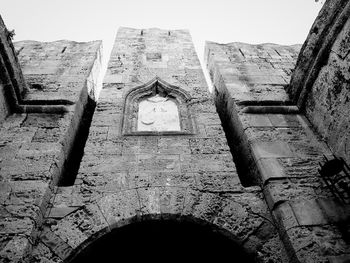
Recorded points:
(170, 114)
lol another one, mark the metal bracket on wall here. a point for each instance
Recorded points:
(336, 175)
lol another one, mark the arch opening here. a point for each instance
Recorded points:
(162, 241)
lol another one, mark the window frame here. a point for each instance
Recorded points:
(157, 86)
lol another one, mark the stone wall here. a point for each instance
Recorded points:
(36, 140)
(128, 176)
(12, 84)
(321, 82)
(271, 137)
(4, 106)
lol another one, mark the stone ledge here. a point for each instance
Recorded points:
(339, 259)
(312, 212)
(276, 149)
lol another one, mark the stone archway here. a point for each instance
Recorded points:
(161, 241)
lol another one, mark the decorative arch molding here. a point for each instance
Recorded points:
(244, 222)
(112, 233)
(155, 87)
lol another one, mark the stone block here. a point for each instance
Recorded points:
(11, 225)
(167, 201)
(288, 120)
(107, 118)
(307, 150)
(98, 133)
(5, 191)
(208, 146)
(43, 120)
(53, 135)
(120, 208)
(270, 168)
(8, 151)
(170, 179)
(37, 149)
(27, 192)
(262, 134)
(218, 181)
(67, 231)
(17, 135)
(171, 200)
(55, 243)
(201, 206)
(285, 216)
(104, 147)
(175, 145)
(107, 182)
(342, 43)
(276, 149)
(81, 224)
(208, 119)
(298, 167)
(114, 133)
(214, 131)
(41, 253)
(293, 134)
(148, 145)
(207, 163)
(166, 163)
(317, 243)
(108, 164)
(241, 214)
(59, 212)
(339, 259)
(25, 210)
(149, 201)
(257, 120)
(334, 211)
(308, 213)
(131, 145)
(236, 86)
(68, 196)
(15, 249)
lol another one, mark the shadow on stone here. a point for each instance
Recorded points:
(71, 166)
(163, 241)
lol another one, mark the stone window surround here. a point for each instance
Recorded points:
(153, 87)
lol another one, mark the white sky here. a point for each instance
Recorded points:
(250, 21)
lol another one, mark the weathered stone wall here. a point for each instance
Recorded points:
(4, 105)
(271, 136)
(126, 178)
(34, 145)
(11, 78)
(321, 81)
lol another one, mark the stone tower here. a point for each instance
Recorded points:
(45, 90)
(156, 154)
(283, 121)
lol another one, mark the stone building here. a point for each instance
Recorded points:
(158, 168)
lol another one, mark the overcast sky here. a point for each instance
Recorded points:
(250, 21)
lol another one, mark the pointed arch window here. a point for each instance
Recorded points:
(157, 108)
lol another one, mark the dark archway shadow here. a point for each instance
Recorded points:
(163, 241)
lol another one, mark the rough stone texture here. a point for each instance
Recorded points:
(321, 79)
(186, 176)
(279, 147)
(34, 146)
(11, 75)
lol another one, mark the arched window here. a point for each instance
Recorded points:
(157, 108)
